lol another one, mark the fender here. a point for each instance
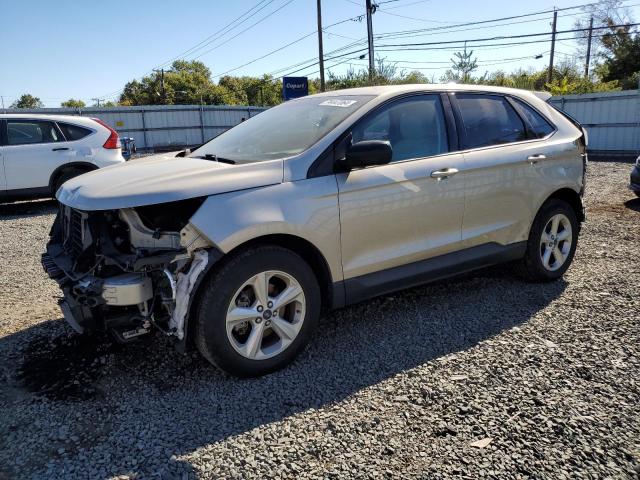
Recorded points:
(307, 209)
(86, 166)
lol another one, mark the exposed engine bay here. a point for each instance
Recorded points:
(128, 270)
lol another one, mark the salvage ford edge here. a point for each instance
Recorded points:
(238, 247)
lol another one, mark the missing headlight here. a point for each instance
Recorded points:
(171, 216)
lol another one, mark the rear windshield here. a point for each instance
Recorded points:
(282, 131)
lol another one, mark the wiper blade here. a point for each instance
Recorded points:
(215, 158)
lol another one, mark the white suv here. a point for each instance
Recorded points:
(41, 152)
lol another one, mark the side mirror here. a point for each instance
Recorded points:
(367, 153)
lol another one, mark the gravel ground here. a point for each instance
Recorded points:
(483, 376)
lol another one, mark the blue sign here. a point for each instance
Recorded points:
(294, 87)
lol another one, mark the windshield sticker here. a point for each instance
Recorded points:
(336, 102)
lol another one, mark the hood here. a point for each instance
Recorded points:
(163, 178)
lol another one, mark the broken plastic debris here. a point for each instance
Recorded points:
(481, 443)
(185, 285)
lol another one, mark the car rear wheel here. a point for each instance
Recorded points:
(64, 176)
(257, 312)
(552, 242)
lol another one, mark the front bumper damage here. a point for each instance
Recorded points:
(119, 275)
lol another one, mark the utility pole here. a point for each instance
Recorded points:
(370, 10)
(586, 63)
(97, 100)
(164, 93)
(2, 102)
(320, 53)
(553, 46)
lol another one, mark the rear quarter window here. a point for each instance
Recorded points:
(74, 132)
(538, 127)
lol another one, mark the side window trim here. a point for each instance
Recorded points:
(59, 130)
(453, 132)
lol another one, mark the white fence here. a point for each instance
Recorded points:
(162, 127)
(612, 119)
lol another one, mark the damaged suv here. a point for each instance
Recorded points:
(237, 247)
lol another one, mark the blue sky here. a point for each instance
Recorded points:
(57, 50)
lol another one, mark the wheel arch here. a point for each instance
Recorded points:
(81, 166)
(332, 293)
(309, 253)
(572, 198)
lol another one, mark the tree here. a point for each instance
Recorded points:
(73, 103)
(621, 57)
(27, 101)
(604, 12)
(385, 73)
(462, 66)
(186, 82)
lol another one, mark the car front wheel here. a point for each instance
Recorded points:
(552, 242)
(257, 311)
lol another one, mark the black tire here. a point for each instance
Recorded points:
(531, 266)
(63, 177)
(216, 295)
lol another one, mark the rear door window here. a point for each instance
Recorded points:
(538, 126)
(26, 132)
(73, 132)
(414, 126)
(489, 120)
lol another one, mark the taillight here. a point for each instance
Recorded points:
(114, 140)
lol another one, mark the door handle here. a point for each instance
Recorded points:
(60, 148)
(444, 173)
(533, 159)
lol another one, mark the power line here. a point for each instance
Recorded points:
(283, 47)
(205, 43)
(241, 32)
(266, 54)
(475, 47)
(408, 5)
(389, 35)
(483, 22)
(410, 18)
(218, 33)
(393, 35)
(504, 37)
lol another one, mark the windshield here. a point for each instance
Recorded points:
(282, 131)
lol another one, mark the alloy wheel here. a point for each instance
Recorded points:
(555, 242)
(265, 315)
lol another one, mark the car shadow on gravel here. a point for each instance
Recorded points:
(633, 204)
(34, 208)
(149, 397)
